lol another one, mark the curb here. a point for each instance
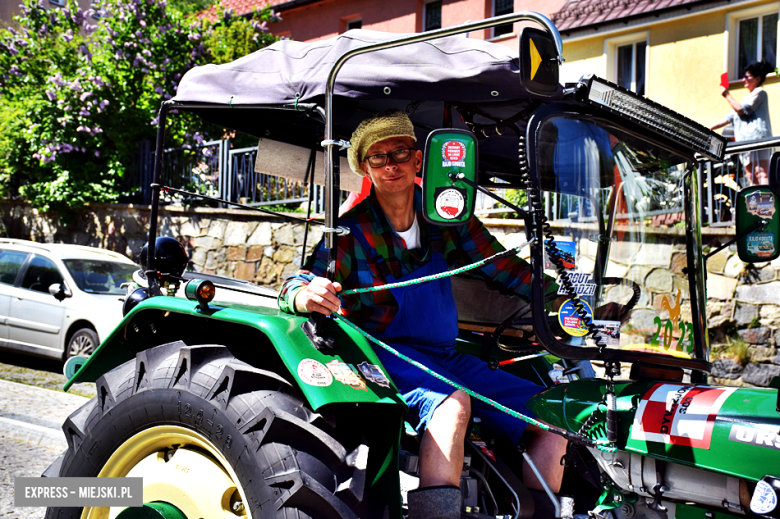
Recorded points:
(32, 434)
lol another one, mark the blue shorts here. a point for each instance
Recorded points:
(423, 392)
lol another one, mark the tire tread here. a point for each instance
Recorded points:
(288, 456)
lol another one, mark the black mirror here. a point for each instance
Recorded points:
(538, 62)
(758, 224)
(774, 173)
(449, 176)
(59, 291)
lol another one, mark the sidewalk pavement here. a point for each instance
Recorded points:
(31, 438)
(35, 415)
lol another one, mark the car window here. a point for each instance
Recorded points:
(41, 273)
(99, 276)
(10, 263)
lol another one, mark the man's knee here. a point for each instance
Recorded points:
(455, 410)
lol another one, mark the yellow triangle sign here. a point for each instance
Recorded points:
(536, 59)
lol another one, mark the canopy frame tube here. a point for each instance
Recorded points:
(331, 164)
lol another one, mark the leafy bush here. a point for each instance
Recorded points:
(77, 96)
(517, 197)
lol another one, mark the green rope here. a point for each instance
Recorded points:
(460, 270)
(602, 445)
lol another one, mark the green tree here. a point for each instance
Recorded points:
(188, 7)
(76, 96)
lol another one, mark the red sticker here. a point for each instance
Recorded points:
(573, 322)
(677, 414)
(454, 151)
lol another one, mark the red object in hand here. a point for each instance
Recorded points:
(724, 80)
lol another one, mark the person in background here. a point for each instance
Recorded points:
(390, 241)
(750, 119)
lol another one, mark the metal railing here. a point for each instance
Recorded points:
(720, 182)
(214, 169)
(259, 189)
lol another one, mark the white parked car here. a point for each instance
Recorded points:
(59, 300)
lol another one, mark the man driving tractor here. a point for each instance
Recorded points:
(389, 241)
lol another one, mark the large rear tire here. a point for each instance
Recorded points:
(212, 436)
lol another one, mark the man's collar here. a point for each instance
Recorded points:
(380, 218)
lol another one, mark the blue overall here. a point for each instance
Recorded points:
(425, 329)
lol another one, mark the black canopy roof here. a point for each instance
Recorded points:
(258, 94)
(456, 68)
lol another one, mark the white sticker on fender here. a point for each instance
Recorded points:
(764, 498)
(314, 373)
(678, 414)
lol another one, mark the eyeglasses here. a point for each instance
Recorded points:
(747, 77)
(399, 157)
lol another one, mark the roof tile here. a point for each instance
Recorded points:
(238, 6)
(582, 13)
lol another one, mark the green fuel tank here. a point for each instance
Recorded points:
(734, 431)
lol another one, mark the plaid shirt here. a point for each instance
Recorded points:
(373, 311)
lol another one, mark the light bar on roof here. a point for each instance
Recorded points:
(655, 117)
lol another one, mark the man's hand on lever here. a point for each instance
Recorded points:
(320, 295)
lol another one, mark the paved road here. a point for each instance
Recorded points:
(21, 459)
(38, 372)
(30, 437)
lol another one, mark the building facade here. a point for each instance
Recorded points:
(673, 51)
(311, 20)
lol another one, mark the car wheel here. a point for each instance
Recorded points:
(211, 436)
(82, 343)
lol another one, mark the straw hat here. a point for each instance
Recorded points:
(391, 123)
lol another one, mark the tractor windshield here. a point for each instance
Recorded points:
(617, 207)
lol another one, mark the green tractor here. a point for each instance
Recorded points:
(226, 406)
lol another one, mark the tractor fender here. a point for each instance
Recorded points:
(348, 373)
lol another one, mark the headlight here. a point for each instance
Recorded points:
(651, 115)
(132, 300)
(200, 290)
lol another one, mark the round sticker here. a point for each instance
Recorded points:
(570, 319)
(314, 373)
(453, 151)
(450, 204)
(764, 498)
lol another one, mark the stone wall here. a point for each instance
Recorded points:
(744, 301)
(242, 244)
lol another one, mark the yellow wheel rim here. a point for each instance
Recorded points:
(180, 467)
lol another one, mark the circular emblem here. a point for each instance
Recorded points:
(764, 498)
(571, 321)
(450, 204)
(453, 151)
(314, 373)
